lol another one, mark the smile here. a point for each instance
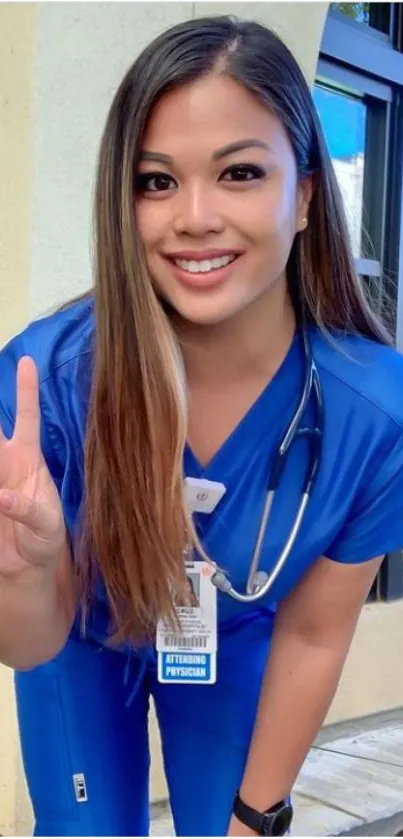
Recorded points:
(204, 266)
(203, 270)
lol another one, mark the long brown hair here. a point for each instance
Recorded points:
(135, 518)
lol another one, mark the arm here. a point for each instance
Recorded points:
(313, 632)
(37, 610)
(37, 579)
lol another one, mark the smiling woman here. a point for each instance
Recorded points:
(228, 177)
(139, 437)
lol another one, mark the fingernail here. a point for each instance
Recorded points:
(6, 500)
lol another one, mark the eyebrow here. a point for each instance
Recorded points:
(225, 151)
(241, 145)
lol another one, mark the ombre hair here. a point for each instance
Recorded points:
(136, 524)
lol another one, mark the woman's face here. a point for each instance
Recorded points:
(218, 202)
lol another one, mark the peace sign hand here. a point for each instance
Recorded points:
(32, 529)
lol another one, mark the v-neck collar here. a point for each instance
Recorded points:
(261, 415)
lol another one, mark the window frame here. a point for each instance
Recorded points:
(378, 97)
(356, 57)
(378, 33)
(363, 48)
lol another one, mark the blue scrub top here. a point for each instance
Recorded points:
(356, 509)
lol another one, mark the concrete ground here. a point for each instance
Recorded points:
(350, 785)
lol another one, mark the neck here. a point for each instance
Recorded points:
(251, 344)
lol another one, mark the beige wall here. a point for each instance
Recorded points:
(17, 59)
(17, 56)
(59, 66)
(373, 677)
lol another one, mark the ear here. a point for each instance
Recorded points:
(304, 197)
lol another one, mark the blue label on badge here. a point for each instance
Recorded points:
(186, 667)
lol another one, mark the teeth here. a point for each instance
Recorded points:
(205, 265)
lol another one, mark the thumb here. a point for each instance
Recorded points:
(24, 510)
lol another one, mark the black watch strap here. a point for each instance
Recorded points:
(272, 822)
(247, 815)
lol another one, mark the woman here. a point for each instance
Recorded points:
(221, 250)
(190, 598)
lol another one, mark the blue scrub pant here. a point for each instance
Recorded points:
(86, 712)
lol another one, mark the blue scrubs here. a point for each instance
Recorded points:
(86, 711)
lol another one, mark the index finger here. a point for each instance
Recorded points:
(28, 418)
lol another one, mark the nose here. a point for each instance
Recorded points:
(197, 213)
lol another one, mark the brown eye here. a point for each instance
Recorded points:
(243, 173)
(154, 182)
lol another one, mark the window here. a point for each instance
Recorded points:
(355, 114)
(358, 94)
(374, 15)
(347, 150)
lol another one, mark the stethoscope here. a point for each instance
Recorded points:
(259, 582)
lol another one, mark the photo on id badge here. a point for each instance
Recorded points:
(192, 592)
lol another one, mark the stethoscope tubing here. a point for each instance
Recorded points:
(259, 582)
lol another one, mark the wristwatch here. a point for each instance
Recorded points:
(273, 822)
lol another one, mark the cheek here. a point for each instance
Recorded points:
(283, 203)
(276, 221)
(150, 221)
(272, 213)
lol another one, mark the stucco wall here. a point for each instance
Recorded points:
(17, 60)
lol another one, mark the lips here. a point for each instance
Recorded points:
(199, 256)
(203, 262)
(203, 270)
(205, 265)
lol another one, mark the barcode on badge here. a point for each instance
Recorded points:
(199, 641)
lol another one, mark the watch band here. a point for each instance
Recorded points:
(247, 815)
(272, 822)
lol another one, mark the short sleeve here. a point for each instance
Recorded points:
(374, 525)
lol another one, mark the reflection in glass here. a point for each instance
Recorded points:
(375, 15)
(343, 120)
(356, 11)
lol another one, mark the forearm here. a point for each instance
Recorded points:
(36, 614)
(299, 684)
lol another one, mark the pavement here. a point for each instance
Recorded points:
(351, 783)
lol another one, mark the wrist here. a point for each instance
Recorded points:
(261, 789)
(273, 820)
(258, 798)
(29, 579)
(40, 577)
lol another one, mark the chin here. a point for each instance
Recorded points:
(201, 314)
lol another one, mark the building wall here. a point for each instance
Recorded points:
(59, 67)
(17, 60)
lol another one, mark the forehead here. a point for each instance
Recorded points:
(207, 114)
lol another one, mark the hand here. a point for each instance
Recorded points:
(32, 529)
(237, 828)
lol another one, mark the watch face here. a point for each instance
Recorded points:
(277, 824)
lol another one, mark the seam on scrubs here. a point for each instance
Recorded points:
(60, 364)
(137, 681)
(146, 660)
(363, 396)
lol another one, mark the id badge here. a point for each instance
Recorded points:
(189, 656)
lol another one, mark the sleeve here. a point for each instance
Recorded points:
(374, 525)
(9, 358)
